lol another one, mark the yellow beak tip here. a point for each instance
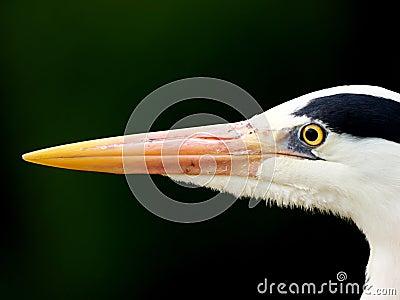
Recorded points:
(30, 157)
(26, 157)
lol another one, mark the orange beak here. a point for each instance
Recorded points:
(227, 149)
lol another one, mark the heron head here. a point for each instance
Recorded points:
(332, 150)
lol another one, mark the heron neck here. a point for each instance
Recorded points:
(375, 211)
(383, 270)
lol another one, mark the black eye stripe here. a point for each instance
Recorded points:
(356, 114)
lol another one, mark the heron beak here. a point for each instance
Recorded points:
(226, 149)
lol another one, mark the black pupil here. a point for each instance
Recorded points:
(311, 135)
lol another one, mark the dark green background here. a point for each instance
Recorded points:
(75, 70)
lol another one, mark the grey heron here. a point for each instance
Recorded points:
(335, 150)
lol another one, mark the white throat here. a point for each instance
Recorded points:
(375, 209)
(382, 230)
(383, 270)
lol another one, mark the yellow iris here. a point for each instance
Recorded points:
(313, 134)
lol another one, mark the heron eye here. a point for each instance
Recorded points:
(312, 135)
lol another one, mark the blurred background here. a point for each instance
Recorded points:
(75, 70)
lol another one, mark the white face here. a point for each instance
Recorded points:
(313, 183)
(356, 178)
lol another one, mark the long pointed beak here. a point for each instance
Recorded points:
(227, 149)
